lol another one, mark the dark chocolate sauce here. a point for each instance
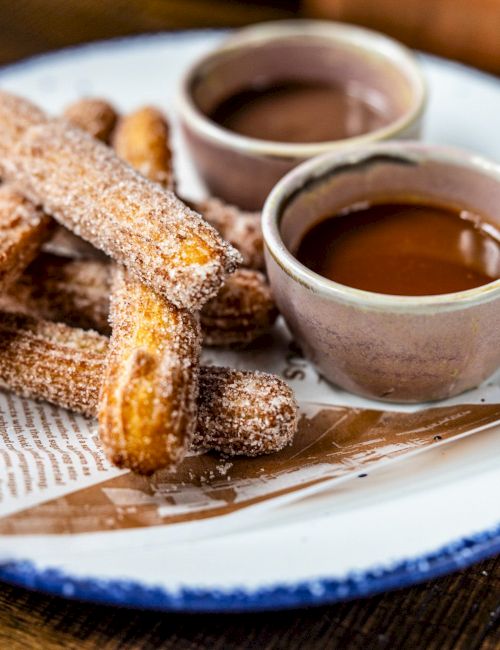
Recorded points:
(301, 112)
(403, 249)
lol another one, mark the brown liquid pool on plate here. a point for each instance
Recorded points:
(403, 249)
(302, 112)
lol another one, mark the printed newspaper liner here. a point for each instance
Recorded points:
(57, 481)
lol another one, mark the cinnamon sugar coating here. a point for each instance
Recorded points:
(61, 289)
(88, 189)
(241, 312)
(147, 409)
(23, 230)
(96, 116)
(241, 229)
(51, 362)
(258, 403)
(239, 412)
(76, 292)
(17, 115)
(142, 139)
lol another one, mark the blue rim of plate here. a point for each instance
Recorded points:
(132, 593)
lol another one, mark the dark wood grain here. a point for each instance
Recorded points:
(465, 30)
(461, 611)
(28, 27)
(458, 612)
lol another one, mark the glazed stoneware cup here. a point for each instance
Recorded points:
(243, 170)
(387, 347)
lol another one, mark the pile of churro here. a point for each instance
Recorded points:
(110, 284)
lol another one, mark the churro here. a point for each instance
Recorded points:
(61, 289)
(23, 229)
(17, 115)
(88, 189)
(147, 410)
(242, 311)
(76, 292)
(241, 229)
(239, 412)
(259, 404)
(52, 362)
(142, 139)
(96, 116)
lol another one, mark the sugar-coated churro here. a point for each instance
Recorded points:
(241, 229)
(141, 138)
(241, 312)
(88, 189)
(52, 362)
(147, 410)
(23, 229)
(76, 292)
(61, 289)
(260, 404)
(65, 366)
(16, 116)
(96, 116)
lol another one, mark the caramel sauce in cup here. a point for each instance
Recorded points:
(302, 111)
(403, 249)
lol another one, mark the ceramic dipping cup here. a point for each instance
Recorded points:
(242, 170)
(386, 347)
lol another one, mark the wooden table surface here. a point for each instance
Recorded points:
(461, 611)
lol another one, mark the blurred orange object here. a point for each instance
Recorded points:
(466, 30)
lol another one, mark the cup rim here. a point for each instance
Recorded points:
(365, 39)
(316, 168)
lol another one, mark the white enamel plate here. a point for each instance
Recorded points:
(417, 519)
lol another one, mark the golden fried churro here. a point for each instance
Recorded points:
(16, 116)
(76, 292)
(241, 312)
(88, 189)
(142, 139)
(23, 229)
(96, 116)
(147, 410)
(57, 288)
(260, 404)
(248, 413)
(241, 229)
(52, 361)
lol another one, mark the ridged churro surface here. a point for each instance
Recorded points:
(258, 403)
(241, 312)
(88, 189)
(16, 116)
(51, 361)
(147, 410)
(23, 229)
(60, 289)
(96, 116)
(65, 366)
(142, 139)
(76, 292)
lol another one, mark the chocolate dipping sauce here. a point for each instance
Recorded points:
(301, 112)
(403, 249)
